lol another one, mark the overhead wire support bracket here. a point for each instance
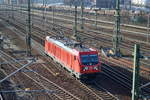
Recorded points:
(16, 61)
(13, 73)
(28, 91)
(136, 88)
(145, 85)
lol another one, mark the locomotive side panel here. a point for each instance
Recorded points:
(54, 50)
(46, 45)
(49, 47)
(63, 56)
(76, 66)
(72, 61)
(57, 55)
(68, 59)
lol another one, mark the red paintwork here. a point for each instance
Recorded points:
(70, 60)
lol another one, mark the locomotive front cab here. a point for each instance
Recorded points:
(89, 63)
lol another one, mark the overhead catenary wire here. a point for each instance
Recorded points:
(145, 85)
(12, 61)
(27, 91)
(148, 26)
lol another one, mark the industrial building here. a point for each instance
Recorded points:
(78, 2)
(98, 3)
(15, 1)
(112, 3)
(124, 3)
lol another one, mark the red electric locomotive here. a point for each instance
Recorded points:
(79, 60)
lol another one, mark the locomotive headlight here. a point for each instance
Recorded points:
(95, 68)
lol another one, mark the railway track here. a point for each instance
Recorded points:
(91, 37)
(126, 84)
(105, 32)
(89, 91)
(122, 78)
(92, 31)
(105, 37)
(105, 94)
(45, 82)
(7, 57)
(117, 76)
(99, 92)
(123, 45)
(102, 24)
(71, 14)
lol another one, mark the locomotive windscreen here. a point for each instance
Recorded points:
(89, 59)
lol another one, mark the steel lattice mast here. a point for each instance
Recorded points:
(28, 37)
(116, 35)
(82, 12)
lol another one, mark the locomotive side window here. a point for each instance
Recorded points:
(89, 59)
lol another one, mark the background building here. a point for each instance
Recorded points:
(141, 3)
(78, 2)
(111, 4)
(34, 1)
(105, 3)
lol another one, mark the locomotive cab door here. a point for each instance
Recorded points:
(76, 64)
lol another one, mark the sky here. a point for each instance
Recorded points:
(1, 1)
(50, 1)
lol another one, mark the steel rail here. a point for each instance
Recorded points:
(95, 94)
(101, 21)
(59, 90)
(60, 17)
